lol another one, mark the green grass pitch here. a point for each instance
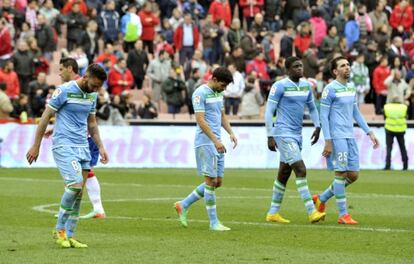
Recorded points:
(142, 227)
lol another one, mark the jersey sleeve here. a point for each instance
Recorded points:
(199, 101)
(93, 106)
(310, 102)
(58, 99)
(326, 101)
(276, 92)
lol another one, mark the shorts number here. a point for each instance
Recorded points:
(342, 156)
(75, 165)
(292, 146)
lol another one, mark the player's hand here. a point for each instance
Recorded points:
(271, 144)
(32, 154)
(327, 150)
(220, 147)
(374, 139)
(48, 132)
(104, 156)
(234, 140)
(315, 135)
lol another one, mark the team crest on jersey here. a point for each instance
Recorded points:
(56, 93)
(197, 100)
(272, 91)
(325, 93)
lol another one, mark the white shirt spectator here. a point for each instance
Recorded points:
(235, 89)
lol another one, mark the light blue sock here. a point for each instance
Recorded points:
(303, 189)
(194, 196)
(339, 190)
(210, 201)
(74, 216)
(66, 206)
(277, 197)
(329, 192)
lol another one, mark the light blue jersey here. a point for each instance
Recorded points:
(288, 100)
(338, 110)
(211, 103)
(72, 107)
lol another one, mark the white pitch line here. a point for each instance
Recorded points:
(45, 209)
(353, 195)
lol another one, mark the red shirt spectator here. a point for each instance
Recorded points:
(120, 78)
(178, 37)
(6, 49)
(108, 54)
(302, 43)
(148, 20)
(9, 77)
(251, 7)
(379, 75)
(258, 65)
(220, 9)
(402, 15)
(68, 7)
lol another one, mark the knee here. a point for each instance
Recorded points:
(352, 177)
(300, 171)
(218, 183)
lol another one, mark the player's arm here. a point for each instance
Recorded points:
(315, 118)
(364, 126)
(33, 152)
(271, 107)
(326, 103)
(226, 125)
(94, 132)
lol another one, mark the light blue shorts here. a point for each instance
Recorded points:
(290, 149)
(71, 161)
(345, 155)
(209, 162)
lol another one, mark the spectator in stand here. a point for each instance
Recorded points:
(330, 42)
(363, 20)
(286, 42)
(311, 63)
(249, 46)
(250, 9)
(408, 45)
(37, 96)
(360, 78)
(6, 48)
(177, 18)
(297, 10)
(108, 54)
(167, 8)
(147, 109)
(195, 9)
(149, 21)
(251, 100)
(235, 34)
(396, 64)
(173, 88)
(83, 8)
(209, 31)
(186, 39)
(346, 6)
(397, 50)
(378, 17)
(351, 31)
(6, 106)
(26, 33)
(220, 9)
(12, 15)
(120, 78)
(237, 58)
(259, 66)
(161, 43)
(131, 27)
(137, 63)
(192, 83)
(303, 39)
(45, 37)
(167, 31)
(108, 21)
(397, 87)
(381, 72)
(103, 110)
(31, 14)
(76, 23)
(196, 63)
(233, 91)
(10, 78)
(382, 37)
(258, 28)
(21, 109)
(339, 22)
(131, 108)
(89, 41)
(51, 14)
(401, 19)
(272, 11)
(319, 27)
(158, 71)
(24, 66)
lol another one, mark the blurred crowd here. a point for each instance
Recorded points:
(169, 47)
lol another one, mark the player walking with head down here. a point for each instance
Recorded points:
(209, 111)
(338, 110)
(287, 98)
(75, 105)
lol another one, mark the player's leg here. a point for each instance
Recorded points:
(279, 187)
(93, 189)
(404, 156)
(389, 140)
(70, 169)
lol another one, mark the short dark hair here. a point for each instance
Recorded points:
(96, 71)
(66, 62)
(334, 63)
(290, 60)
(222, 74)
